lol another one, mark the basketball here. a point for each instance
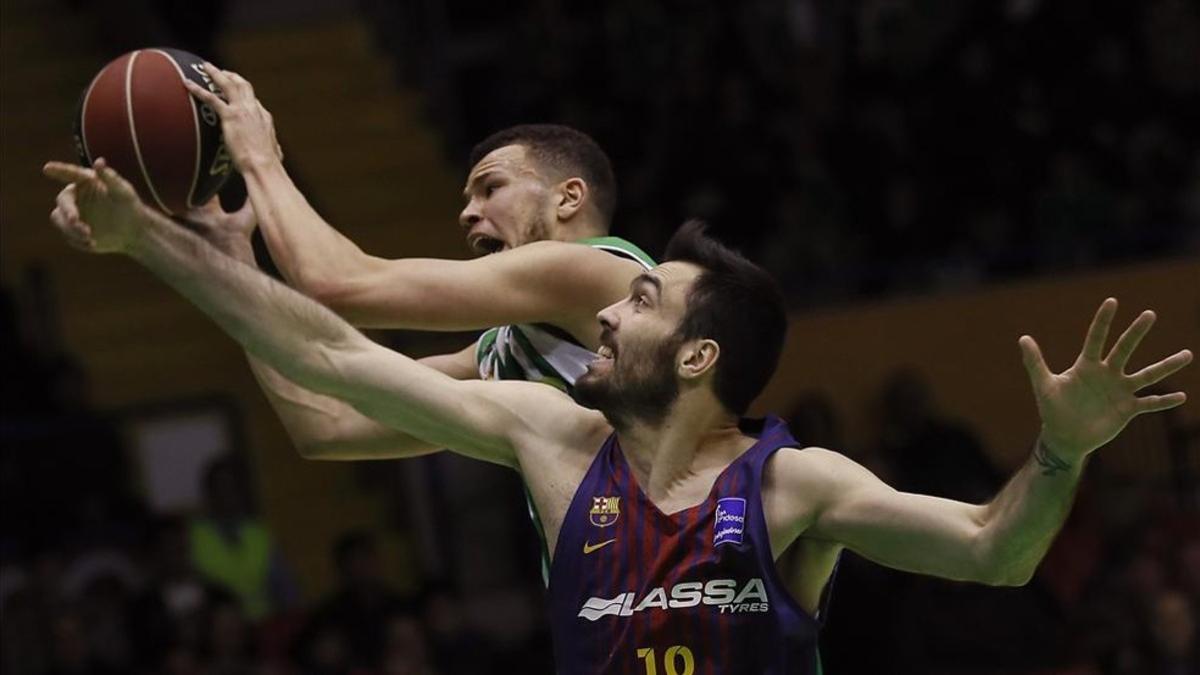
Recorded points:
(139, 117)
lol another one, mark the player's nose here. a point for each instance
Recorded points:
(470, 215)
(608, 317)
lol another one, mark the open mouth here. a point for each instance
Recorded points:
(482, 244)
(605, 354)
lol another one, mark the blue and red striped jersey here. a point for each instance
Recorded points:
(636, 591)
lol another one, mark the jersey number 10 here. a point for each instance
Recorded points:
(677, 660)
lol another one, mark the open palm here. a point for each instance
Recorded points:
(1087, 405)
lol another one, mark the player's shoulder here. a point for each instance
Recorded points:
(555, 434)
(550, 412)
(610, 250)
(621, 248)
(809, 467)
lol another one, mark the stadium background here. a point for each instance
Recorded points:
(927, 180)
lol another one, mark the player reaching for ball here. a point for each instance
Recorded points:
(666, 511)
(540, 200)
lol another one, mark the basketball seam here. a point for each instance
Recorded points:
(133, 131)
(195, 125)
(87, 96)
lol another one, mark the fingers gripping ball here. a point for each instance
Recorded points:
(137, 115)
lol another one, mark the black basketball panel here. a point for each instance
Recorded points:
(215, 162)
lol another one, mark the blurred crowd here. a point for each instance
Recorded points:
(94, 581)
(856, 148)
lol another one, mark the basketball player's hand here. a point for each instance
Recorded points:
(1087, 405)
(228, 232)
(247, 126)
(99, 211)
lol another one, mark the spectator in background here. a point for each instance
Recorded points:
(232, 547)
(352, 624)
(405, 647)
(457, 650)
(228, 646)
(1172, 644)
(167, 617)
(71, 652)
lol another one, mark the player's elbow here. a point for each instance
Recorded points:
(994, 564)
(1009, 578)
(997, 571)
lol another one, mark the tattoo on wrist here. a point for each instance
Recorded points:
(1050, 463)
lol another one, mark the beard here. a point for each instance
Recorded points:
(537, 229)
(638, 386)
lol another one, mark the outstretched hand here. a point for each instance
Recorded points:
(1087, 405)
(98, 211)
(247, 126)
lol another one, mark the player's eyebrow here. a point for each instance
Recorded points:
(647, 279)
(475, 180)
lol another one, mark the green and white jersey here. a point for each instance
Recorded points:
(541, 352)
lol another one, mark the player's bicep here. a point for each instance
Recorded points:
(906, 531)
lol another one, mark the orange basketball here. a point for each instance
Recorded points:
(139, 117)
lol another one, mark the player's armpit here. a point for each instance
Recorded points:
(905, 531)
(553, 282)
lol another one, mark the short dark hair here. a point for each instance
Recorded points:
(567, 151)
(737, 304)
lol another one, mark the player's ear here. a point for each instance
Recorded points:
(572, 195)
(697, 358)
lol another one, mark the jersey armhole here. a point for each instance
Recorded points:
(767, 559)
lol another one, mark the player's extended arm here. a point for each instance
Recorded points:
(553, 282)
(1003, 541)
(321, 427)
(311, 345)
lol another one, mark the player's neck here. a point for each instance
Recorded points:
(571, 232)
(691, 440)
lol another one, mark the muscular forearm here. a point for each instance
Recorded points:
(309, 252)
(1022, 520)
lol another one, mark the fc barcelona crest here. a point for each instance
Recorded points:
(605, 511)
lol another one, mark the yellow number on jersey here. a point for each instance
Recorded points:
(671, 660)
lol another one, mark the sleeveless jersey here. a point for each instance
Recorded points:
(541, 352)
(636, 591)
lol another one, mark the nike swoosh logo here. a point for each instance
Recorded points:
(588, 548)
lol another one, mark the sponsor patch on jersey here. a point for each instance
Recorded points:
(605, 511)
(730, 522)
(726, 595)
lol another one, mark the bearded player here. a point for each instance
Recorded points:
(665, 511)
